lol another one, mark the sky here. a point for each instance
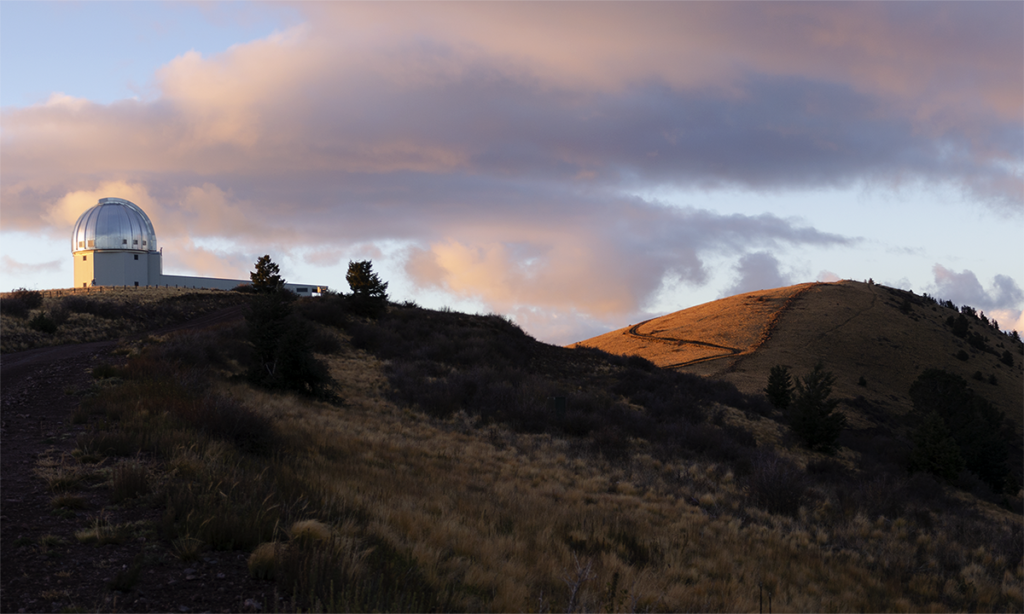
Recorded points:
(576, 166)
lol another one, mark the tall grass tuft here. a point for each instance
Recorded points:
(130, 480)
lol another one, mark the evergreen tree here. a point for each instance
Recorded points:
(935, 450)
(780, 387)
(369, 293)
(267, 276)
(813, 415)
(282, 356)
(979, 429)
(959, 325)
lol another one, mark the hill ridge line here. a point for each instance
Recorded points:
(773, 322)
(734, 352)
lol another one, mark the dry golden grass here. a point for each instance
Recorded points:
(16, 335)
(856, 329)
(516, 520)
(722, 329)
(506, 521)
(263, 561)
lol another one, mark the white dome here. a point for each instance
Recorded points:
(114, 223)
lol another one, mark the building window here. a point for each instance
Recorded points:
(84, 285)
(92, 243)
(143, 243)
(124, 241)
(135, 242)
(302, 289)
(136, 284)
(136, 256)
(81, 244)
(84, 258)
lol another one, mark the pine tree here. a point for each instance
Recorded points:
(267, 276)
(813, 416)
(282, 356)
(935, 450)
(978, 427)
(369, 293)
(780, 387)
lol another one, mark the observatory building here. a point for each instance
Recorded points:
(114, 244)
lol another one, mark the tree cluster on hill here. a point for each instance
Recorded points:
(812, 414)
(955, 422)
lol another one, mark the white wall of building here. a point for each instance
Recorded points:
(127, 268)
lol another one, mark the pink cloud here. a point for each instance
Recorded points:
(24, 268)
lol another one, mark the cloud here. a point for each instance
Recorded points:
(498, 139)
(65, 211)
(827, 276)
(757, 271)
(187, 258)
(602, 262)
(1004, 297)
(22, 268)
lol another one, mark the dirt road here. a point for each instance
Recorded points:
(43, 567)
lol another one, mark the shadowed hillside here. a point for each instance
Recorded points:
(450, 462)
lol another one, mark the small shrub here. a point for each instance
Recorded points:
(828, 470)
(33, 299)
(108, 443)
(43, 323)
(68, 502)
(232, 516)
(229, 419)
(59, 476)
(14, 307)
(101, 533)
(49, 540)
(309, 531)
(130, 480)
(187, 548)
(775, 484)
(322, 341)
(263, 561)
(104, 371)
(109, 310)
(740, 435)
(329, 310)
(59, 315)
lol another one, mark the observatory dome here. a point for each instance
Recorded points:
(114, 223)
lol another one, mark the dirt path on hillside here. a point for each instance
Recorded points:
(730, 351)
(43, 567)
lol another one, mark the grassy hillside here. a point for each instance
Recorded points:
(33, 319)
(461, 465)
(858, 330)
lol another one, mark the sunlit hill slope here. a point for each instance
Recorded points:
(877, 340)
